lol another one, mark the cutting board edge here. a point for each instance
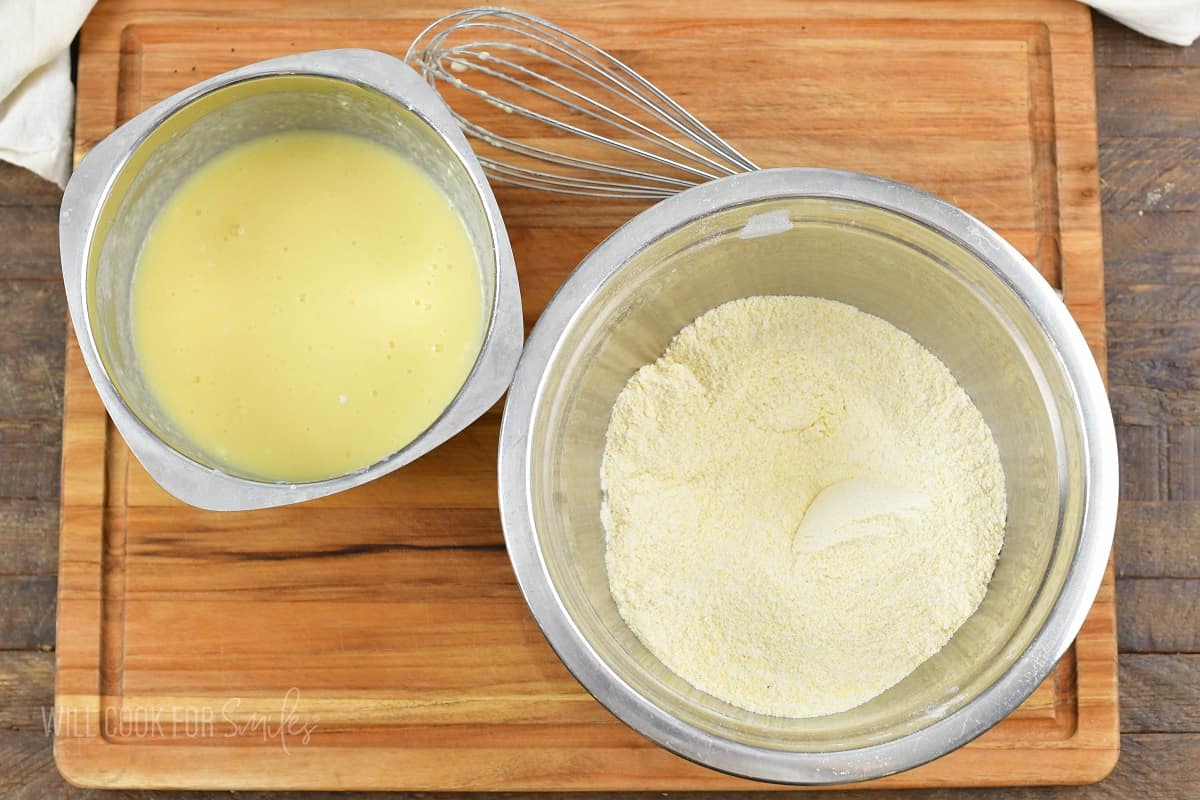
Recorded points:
(1102, 740)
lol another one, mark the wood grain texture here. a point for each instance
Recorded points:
(1155, 303)
(28, 619)
(1144, 174)
(31, 355)
(1159, 693)
(22, 189)
(1183, 446)
(31, 242)
(28, 537)
(1153, 766)
(1154, 384)
(1159, 615)
(1116, 46)
(392, 608)
(1152, 247)
(27, 686)
(1158, 539)
(1121, 87)
(1144, 445)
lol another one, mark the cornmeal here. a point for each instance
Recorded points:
(801, 505)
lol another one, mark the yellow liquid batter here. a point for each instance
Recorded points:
(306, 304)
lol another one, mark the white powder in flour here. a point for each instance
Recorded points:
(801, 505)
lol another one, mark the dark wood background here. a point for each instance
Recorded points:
(1148, 98)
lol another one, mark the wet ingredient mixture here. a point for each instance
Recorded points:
(801, 505)
(306, 304)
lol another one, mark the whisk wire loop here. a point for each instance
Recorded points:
(534, 70)
(587, 106)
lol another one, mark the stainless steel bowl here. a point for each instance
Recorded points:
(119, 187)
(913, 260)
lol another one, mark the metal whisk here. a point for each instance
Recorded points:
(499, 69)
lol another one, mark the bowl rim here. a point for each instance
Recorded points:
(1081, 582)
(88, 192)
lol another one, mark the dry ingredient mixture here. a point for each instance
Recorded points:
(801, 505)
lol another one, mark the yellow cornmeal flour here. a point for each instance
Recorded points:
(764, 411)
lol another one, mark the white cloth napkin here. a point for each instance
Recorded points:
(37, 98)
(1174, 21)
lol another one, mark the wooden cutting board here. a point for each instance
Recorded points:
(376, 639)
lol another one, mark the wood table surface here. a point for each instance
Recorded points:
(1148, 98)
